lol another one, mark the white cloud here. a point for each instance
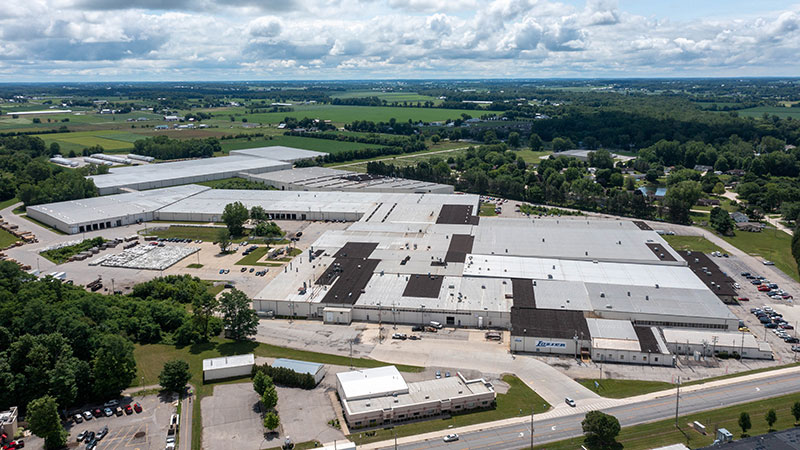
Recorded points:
(229, 39)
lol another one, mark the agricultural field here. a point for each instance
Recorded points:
(345, 114)
(110, 140)
(409, 159)
(388, 96)
(320, 145)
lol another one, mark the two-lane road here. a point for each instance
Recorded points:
(567, 426)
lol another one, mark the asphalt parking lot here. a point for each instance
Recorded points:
(143, 431)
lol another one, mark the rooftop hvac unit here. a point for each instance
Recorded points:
(602, 295)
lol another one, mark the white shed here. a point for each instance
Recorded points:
(228, 367)
(335, 315)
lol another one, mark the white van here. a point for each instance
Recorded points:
(436, 325)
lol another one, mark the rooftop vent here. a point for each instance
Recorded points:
(549, 277)
(608, 306)
(602, 295)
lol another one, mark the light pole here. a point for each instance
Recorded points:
(677, 400)
(531, 428)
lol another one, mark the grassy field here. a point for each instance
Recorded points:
(780, 111)
(769, 244)
(150, 360)
(345, 114)
(693, 243)
(487, 210)
(532, 157)
(663, 432)
(388, 96)
(320, 145)
(111, 140)
(624, 388)
(408, 159)
(209, 234)
(6, 203)
(7, 239)
(517, 401)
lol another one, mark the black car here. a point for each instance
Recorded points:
(791, 340)
(91, 445)
(89, 437)
(770, 325)
(417, 328)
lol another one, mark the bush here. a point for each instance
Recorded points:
(286, 377)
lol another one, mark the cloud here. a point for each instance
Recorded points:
(230, 39)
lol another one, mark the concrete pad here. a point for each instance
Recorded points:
(232, 418)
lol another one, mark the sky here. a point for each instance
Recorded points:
(207, 40)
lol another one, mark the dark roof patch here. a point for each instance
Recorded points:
(523, 294)
(647, 340)
(642, 225)
(723, 284)
(662, 253)
(548, 323)
(356, 250)
(460, 245)
(423, 286)
(457, 215)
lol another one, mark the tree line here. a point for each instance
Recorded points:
(162, 147)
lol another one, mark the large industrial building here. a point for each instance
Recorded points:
(152, 176)
(374, 397)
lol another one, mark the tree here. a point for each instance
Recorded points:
(535, 142)
(235, 215)
(240, 320)
(267, 229)
(630, 184)
(719, 188)
(561, 144)
(680, 198)
(771, 417)
(721, 221)
(601, 159)
(601, 430)
(796, 245)
(258, 213)
(796, 411)
(652, 175)
(262, 381)
(744, 422)
(203, 306)
(44, 422)
(513, 139)
(271, 421)
(174, 375)
(224, 240)
(269, 398)
(114, 366)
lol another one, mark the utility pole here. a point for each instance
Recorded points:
(351, 354)
(531, 428)
(677, 400)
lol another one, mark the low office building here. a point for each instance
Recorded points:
(704, 343)
(374, 397)
(228, 367)
(314, 369)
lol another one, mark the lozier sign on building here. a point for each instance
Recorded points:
(550, 344)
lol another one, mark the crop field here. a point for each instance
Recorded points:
(320, 145)
(109, 139)
(388, 96)
(345, 114)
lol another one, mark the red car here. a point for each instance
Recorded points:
(13, 445)
(128, 409)
(763, 288)
(137, 407)
(744, 299)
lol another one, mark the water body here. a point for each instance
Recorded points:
(657, 191)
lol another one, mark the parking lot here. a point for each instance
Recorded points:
(138, 431)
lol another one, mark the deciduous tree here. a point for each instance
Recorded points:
(601, 430)
(235, 215)
(114, 366)
(174, 375)
(240, 320)
(43, 420)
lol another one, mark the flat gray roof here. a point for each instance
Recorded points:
(117, 205)
(422, 392)
(326, 178)
(298, 366)
(278, 153)
(166, 172)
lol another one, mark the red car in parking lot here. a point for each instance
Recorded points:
(743, 299)
(137, 407)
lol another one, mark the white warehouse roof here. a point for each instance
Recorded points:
(298, 366)
(368, 383)
(225, 362)
(278, 153)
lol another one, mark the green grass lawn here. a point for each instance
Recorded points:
(320, 145)
(780, 111)
(194, 266)
(388, 96)
(253, 258)
(407, 159)
(209, 234)
(693, 243)
(6, 203)
(532, 157)
(518, 401)
(300, 446)
(663, 432)
(624, 388)
(7, 239)
(487, 209)
(150, 360)
(769, 244)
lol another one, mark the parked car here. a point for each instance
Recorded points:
(137, 407)
(102, 433)
(417, 328)
(796, 348)
(743, 299)
(128, 410)
(118, 411)
(82, 435)
(400, 336)
(244, 269)
(89, 436)
(451, 438)
(770, 325)
(570, 402)
(77, 418)
(414, 337)
(111, 404)
(447, 374)
(108, 412)
(768, 263)
(791, 340)
(438, 374)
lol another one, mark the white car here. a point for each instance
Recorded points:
(768, 263)
(451, 438)
(570, 402)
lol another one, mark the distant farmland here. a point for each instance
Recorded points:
(346, 114)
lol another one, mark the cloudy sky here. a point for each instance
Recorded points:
(164, 40)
